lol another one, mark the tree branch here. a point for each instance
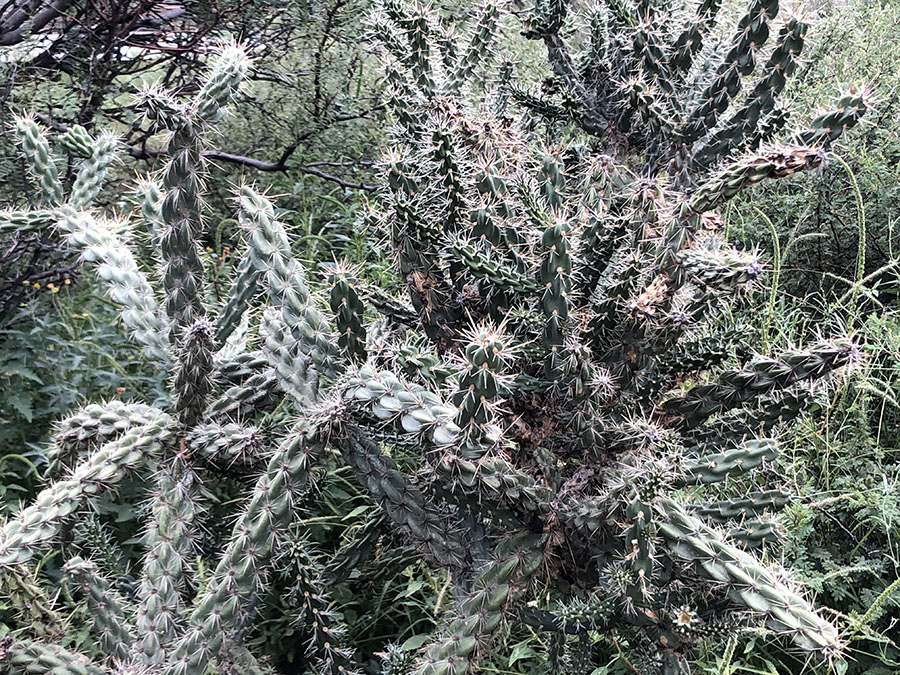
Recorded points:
(279, 166)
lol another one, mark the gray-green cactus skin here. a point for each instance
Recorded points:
(575, 300)
(557, 357)
(630, 77)
(201, 433)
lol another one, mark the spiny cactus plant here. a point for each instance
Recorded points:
(557, 362)
(652, 76)
(178, 617)
(577, 293)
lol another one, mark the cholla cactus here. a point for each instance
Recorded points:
(582, 293)
(650, 74)
(558, 307)
(164, 623)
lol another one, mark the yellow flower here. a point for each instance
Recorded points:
(36, 285)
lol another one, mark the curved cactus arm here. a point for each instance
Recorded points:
(705, 352)
(96, 423)
(745, 580)
(292, 367)
(556, 280)
(770, 412)
(480, 612)
(496, 272)
(546, 18)
(348, 310)
(404, 502)
(478, 50)
(723, 270)
(494, 480)
(752, 33)
(126, 284)
(743, 127)
(182, 271)
(93, 171)
(777, 162)
(446, 152)
(25, 222)
(193, 374)
(716, 467)
(384, 31)
(235, 368)
(418, 34)
(328, 635)
(228, 444)
(114, 632)
(736, 387)
(415, 408)
(174, 513)
(149, 195)
(77, 141)
(482, 380)
(827, 127)
(755, 532)
(35, 526)
(539, 105)
(244, 287)
(420, 363)
(258, 392)
(39, 658)
(238, 583)
(286, 282)
(395, 309)
(159, 107)
(41, 165)
(690, 41)
(222, 86)
(749, 506)
(653, 103)
(182, 179)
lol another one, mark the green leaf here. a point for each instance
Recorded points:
(355, 512)
(12, 369)
(21, 402)
(520, 652)
(414, 586)
(413, 643)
